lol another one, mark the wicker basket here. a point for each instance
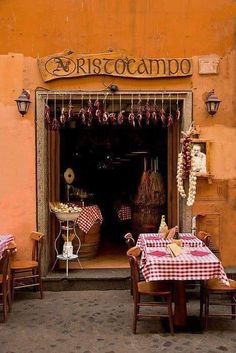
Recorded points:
(145, 218)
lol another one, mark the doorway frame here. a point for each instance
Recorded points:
(183, 213)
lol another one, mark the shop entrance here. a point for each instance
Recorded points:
(122, 171)
(126, 168)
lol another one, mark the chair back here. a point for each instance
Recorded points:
(38, 243)
(129, 240)
(204, 237)
(5, 264)
(134, 270)
(134, 251)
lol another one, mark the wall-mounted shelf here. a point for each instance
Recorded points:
(207, 176)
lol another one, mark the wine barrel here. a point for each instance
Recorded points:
(89, 242)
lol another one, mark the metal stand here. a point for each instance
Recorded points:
(66, 225)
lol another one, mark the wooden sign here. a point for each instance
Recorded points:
(69, 64)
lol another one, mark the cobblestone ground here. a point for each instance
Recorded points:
(100, 321)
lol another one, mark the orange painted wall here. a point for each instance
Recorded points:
(183, 28)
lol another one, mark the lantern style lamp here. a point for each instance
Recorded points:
(212, 103)
(23, 102)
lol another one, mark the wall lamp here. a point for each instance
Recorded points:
(212, 103)
(23, 102)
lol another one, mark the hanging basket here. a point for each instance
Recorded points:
(146, 218)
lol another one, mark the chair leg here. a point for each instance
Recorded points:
(206, 310)
(170, 313)
(4, 300)
(202, 303)
(131, 286)
(201, 300)
(12, 286)
(35, 280)
(136, 299)
(233, 306)
(9, 295)
(40, 285)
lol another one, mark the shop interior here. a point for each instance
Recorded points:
(117, 166)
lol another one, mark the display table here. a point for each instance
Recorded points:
(88, 216)
(89, 224)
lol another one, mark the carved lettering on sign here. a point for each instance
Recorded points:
(69, 64)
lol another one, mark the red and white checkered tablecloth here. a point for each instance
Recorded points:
(184, 267)
(155, 239)
(88, 216)
(124, 213)
(5, 240)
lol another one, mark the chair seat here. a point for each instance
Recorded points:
(134, 251)
(23, 264)
(153, 286)
(216, 284)
(1, 278)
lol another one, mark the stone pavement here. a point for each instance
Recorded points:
(100, 321)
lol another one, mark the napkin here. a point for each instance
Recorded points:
(175, 249)
(199, 253)
(157, 253)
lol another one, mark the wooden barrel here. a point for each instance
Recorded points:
(89, 242)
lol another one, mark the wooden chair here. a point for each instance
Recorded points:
(159, 290)
(216, 293)
(5, 292)
(132, 250)
(129, 240)
(207, 239)
(27, 273)
(204, 237)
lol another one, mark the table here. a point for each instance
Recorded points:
(158, 264)
(124, 213)
(5, 240)
(88, 216)
(155, 239)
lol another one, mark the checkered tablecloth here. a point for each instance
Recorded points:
(183, 267)
(5, 240)
(88, 216)
(124, 213)
(155, 239)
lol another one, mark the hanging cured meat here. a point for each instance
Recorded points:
(95, 112)
(149, 199)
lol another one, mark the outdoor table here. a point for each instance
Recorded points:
(88, 216)
(5, 241)
(195, 263)
(155, 239)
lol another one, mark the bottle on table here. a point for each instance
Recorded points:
(163, 228)
(176, 235)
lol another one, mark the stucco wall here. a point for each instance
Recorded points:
(143, 28)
